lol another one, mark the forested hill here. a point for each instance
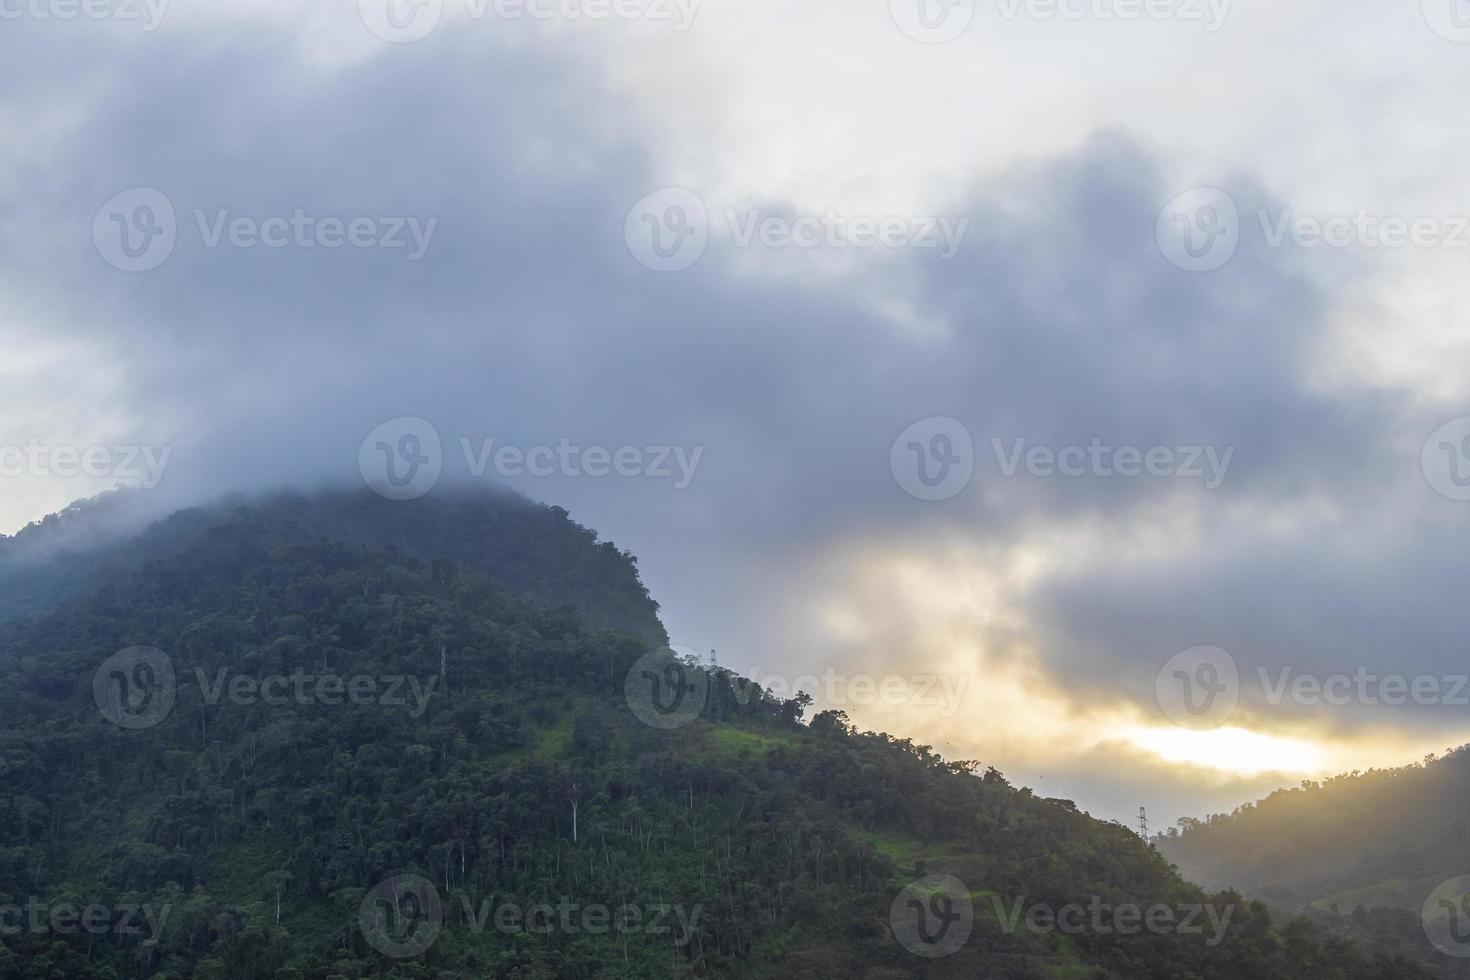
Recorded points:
(1385, 838)
(529, 548)
(337, 738)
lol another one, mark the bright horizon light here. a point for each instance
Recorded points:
(1234, 750)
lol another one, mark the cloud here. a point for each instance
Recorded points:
(527, 321)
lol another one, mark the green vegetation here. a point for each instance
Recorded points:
(506, 772)
(1357, 853)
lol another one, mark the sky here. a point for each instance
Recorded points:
(1073, 385)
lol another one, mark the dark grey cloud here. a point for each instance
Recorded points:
(528, 321)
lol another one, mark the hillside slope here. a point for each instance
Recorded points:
(1308, 844)
(1361, 853)
(276, 752)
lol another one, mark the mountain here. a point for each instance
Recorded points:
(1369, 848)
(533, 550)
(332, 736)
(63, 554)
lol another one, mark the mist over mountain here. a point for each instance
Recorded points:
(328, 735)
(1377, 849)
(1063, 319)
(700, 488)
(488, 530)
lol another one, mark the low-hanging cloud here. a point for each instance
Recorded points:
(523, 318)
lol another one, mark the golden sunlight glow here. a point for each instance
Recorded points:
(1232, 750)
(933, 609)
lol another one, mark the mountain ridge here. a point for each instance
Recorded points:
(39, 567)
(317, 756)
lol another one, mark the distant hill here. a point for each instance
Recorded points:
(1323, 839)
(328, 736)
(1372, 843)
